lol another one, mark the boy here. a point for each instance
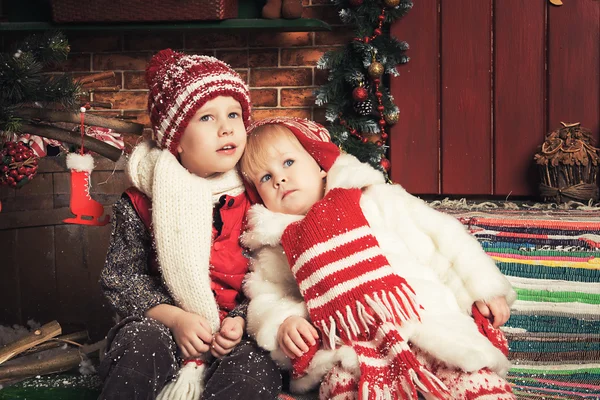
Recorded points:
(174, 266)
(386, 282)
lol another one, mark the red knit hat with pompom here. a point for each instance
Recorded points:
(312, 136)
(180, 84)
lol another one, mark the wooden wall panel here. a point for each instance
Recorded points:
(101, 314)
(414, 140)
(37, 275)
(465, 97)
(10, 296)
(574, 64)
(72, 275)
(519, 93)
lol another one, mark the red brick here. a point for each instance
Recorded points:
(264, 97)
(339, 35)
(121, 61)
(308, 56)
(124, 100)
(152, 41)
(243, 74)
(134, 80)
(297, 97)
(263, 58)
(203, 40)
(327, 13)
(75, 62)
(235, 58)
(280, 39)
(281, 77)
(321, 76)
(94, 41)
(262, 113)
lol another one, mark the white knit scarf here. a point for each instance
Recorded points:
(182, 218)
(182, 215)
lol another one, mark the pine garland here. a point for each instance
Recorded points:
(24, 82)
(367, 61)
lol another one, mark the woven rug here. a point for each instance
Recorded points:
(552, 258)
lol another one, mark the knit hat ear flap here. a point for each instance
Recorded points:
(312, 136)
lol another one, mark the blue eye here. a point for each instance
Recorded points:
(234, 115)
(265, 178)
(205, 118)
(288, 163)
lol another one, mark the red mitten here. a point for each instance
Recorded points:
(487, 329)
(300, 364)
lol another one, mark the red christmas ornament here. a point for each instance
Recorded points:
(360, 94)
(356, 3)
(18, 164)
(385, 164)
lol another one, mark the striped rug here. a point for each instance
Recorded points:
(552, 258)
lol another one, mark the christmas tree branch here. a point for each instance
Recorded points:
(63, 135)
(91, 120)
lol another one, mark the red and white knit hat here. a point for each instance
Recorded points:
(312, 136)
(180, 84)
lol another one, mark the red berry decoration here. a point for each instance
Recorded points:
(385, 164)
(18, 164)
(360, 94)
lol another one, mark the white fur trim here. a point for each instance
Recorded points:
(321, 364)
(348, 173)
(81, 163)
(265, 227)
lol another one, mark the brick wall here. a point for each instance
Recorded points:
(278, 66)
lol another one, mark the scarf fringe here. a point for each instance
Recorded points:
(361, 321)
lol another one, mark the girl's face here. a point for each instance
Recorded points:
(215, 138)
(291, 181)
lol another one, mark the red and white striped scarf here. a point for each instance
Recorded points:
(353, 295)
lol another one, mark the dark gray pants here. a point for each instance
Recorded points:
(141, 359)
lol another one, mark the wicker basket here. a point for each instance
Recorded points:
(142, 10)
(568, 164)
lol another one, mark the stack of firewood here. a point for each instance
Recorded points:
(45, 351)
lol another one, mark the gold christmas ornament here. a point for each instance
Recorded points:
(376, 69)
(392, 3)
(391, 118)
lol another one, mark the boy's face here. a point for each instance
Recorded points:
(215, 138)
(291, 181)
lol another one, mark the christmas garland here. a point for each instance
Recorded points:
(358, 103)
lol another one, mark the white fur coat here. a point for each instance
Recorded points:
(443, 263)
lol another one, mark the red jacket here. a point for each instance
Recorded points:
(228, 265)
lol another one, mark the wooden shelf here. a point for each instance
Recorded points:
(250, 24)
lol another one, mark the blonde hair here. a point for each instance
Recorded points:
(256, 154)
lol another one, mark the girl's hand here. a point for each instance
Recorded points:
(232, 330)
(294, 334)
(496, 310)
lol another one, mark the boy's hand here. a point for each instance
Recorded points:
(294, 334)
(192, 334)
(228, 337)
(496, 310)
